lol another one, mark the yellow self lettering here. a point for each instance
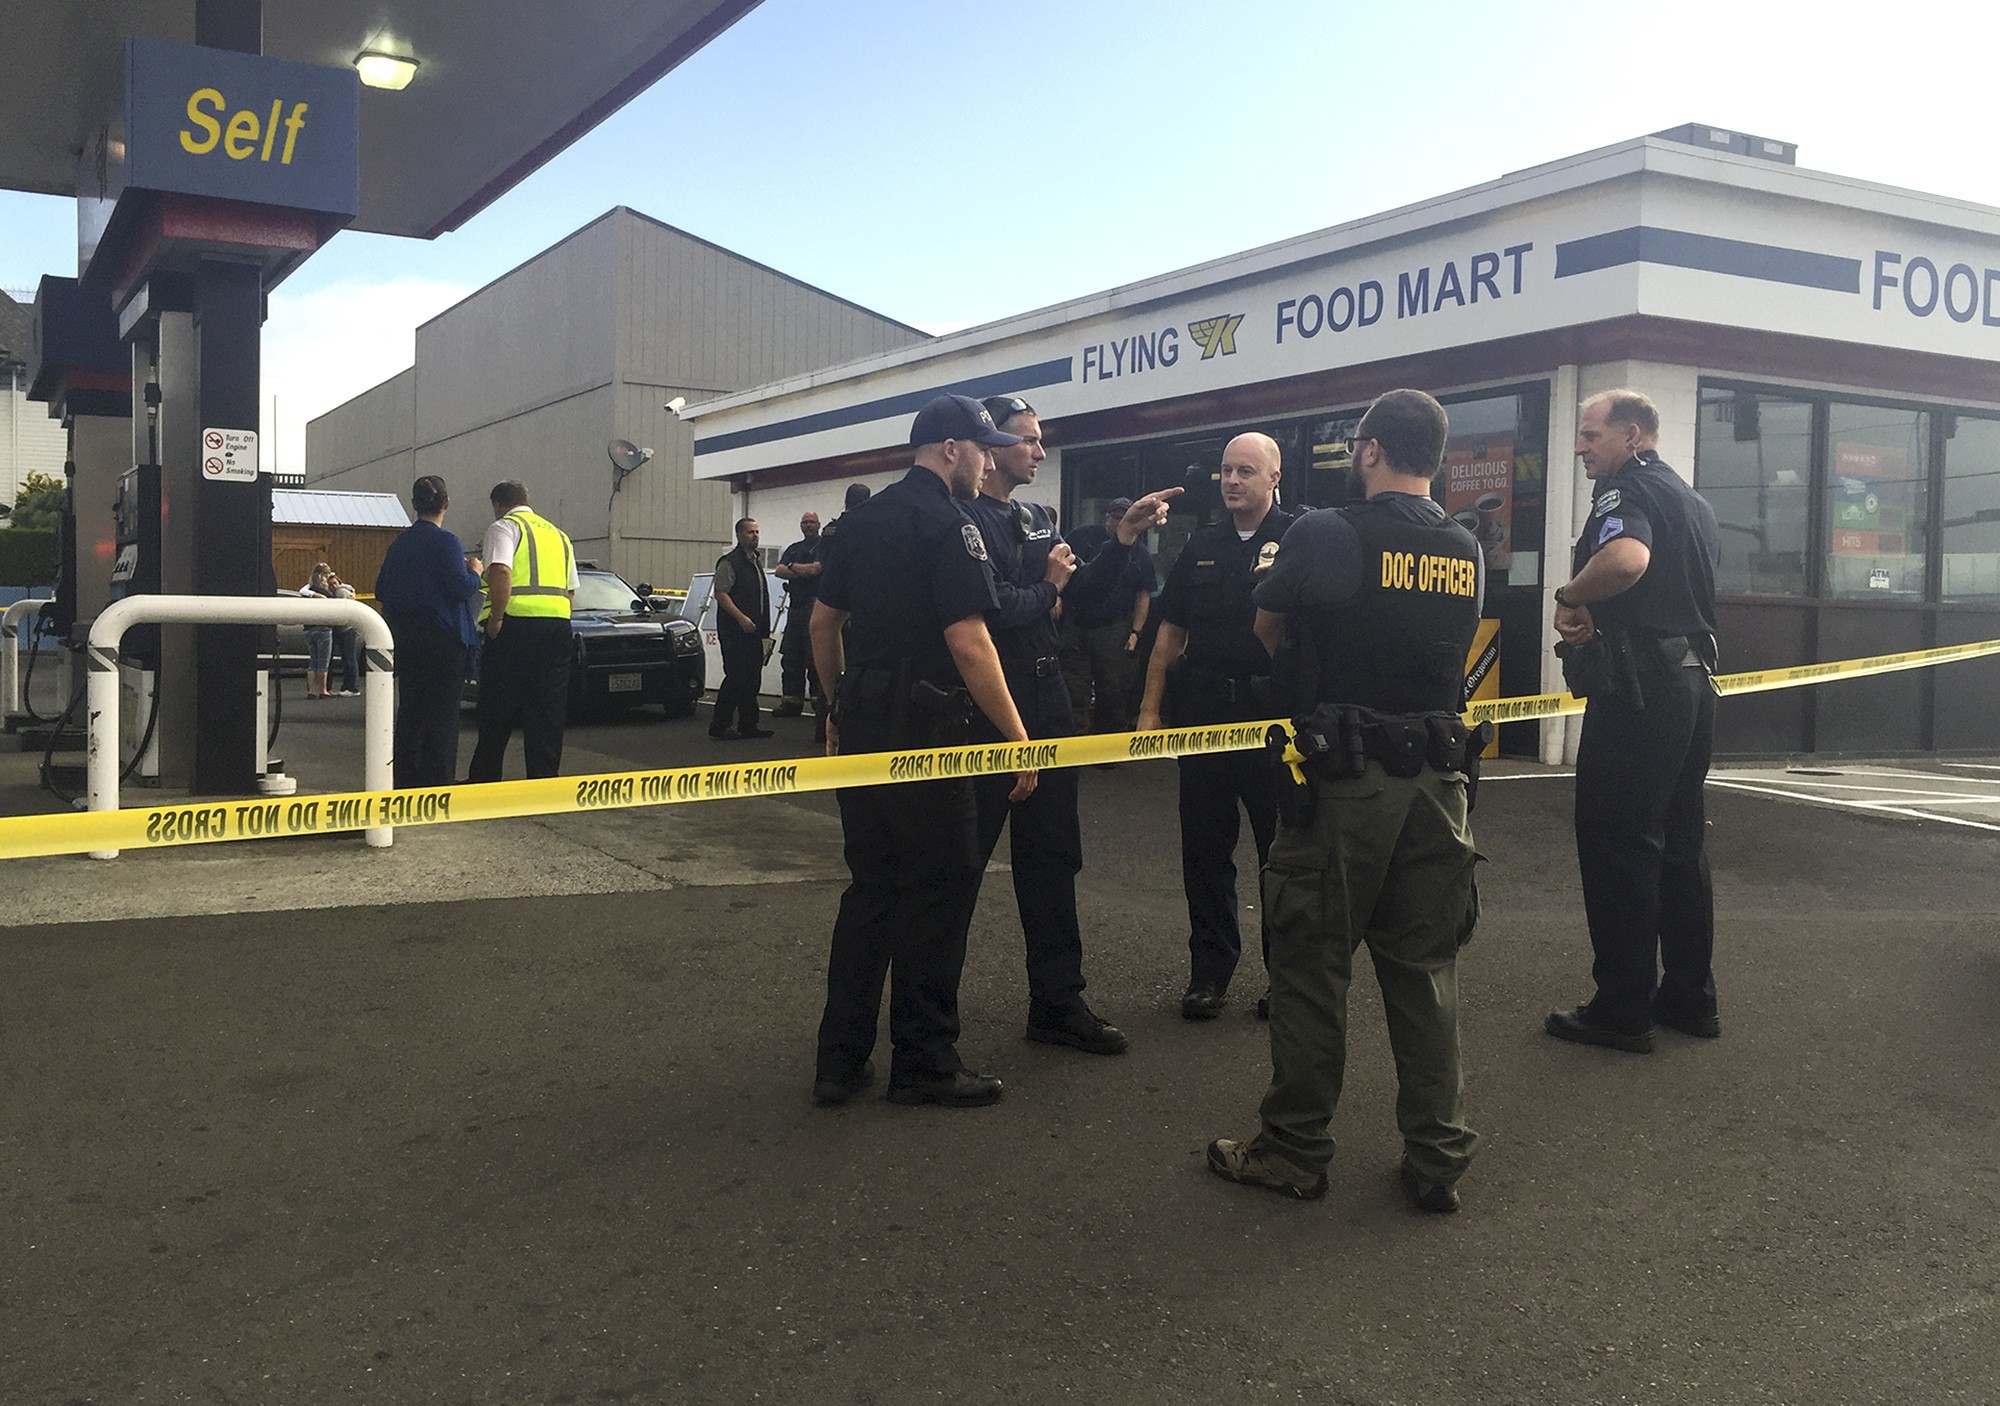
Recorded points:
(292, 125)
(240, 140)
(271, 127)
(200, 98)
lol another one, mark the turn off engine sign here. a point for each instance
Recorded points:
(229, 456)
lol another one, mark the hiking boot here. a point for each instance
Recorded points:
(1432, 1197)
(1202, 1000)
(1252, 1165)
(1077, 1026)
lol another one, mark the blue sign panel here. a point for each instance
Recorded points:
(242, 127)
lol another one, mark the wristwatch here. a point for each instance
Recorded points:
(1566, 605)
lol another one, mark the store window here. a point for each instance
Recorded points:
(1753, 462)
(1971, 502)
(1494, 476)
(1495, 473)
(1878, 501)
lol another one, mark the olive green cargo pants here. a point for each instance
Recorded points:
(1387, 861)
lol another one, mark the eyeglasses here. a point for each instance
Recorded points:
(1002, 407)
(1354, 442)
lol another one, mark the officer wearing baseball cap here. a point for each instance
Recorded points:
(912, 585)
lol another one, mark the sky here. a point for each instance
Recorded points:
(948, 163)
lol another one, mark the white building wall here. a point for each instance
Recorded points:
(30, 442)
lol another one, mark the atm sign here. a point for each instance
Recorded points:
(241, 127)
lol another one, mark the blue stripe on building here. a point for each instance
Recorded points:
(1026, 378)
(1679, 249)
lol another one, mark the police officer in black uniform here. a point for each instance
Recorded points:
(1370, 611)
(1637, 618)
(1208, 667)
(799, 569)
(1031, 566)
(912, 574)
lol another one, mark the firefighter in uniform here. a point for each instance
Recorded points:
(1371, 611)
(1208, 667)
(1637, 619)
(526, 641)
(912, 576)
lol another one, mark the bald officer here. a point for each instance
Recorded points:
(1206, 668)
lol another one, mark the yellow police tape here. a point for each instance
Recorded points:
(1551, 705)
(212, 822)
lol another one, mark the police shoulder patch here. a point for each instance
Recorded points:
(1605, 503)
(1612, 527)
(1267, 554)
(975, 545)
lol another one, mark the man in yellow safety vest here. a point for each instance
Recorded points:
(524, 661)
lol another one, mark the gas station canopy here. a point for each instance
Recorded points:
(502, 86)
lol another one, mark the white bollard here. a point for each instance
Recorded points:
(101, 689)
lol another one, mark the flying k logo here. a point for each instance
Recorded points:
(1216, 334)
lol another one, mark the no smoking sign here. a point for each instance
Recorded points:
(229, 456)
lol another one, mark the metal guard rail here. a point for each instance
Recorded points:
(378, 686)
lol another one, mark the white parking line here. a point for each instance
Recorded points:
(1812, 797)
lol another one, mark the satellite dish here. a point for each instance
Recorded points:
(625, 457)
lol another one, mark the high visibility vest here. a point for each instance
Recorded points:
(540, 569)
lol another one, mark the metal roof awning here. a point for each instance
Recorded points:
(335, 509)
(503, 86)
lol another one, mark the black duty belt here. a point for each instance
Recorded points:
(1215, 685)
(1047, 667)
(1678, 652)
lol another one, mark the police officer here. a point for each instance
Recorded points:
(912, 574)
(526, 639)
(742, 628)
(1207, 667)
(1371, 609)
(799, 569)
(1031, 566)
(1637, 618)
(857, 494)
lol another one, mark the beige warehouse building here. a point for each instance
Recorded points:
(535, 374)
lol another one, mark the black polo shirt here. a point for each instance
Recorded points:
(1646, 501)
(1208, 593)
(909, 565)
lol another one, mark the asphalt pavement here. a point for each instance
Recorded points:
(517, 1112)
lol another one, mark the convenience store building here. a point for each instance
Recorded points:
(1825, 353)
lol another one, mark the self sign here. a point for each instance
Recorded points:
(240, 137)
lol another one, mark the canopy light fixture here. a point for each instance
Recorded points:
(380, 70)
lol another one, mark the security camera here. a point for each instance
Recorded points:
(673, 407)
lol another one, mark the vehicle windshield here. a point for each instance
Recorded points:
(601, 591)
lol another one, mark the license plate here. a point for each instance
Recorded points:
(625, 683)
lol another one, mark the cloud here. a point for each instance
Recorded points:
(326, 346)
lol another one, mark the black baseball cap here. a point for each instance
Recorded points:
(958, 417)
(1118, 507)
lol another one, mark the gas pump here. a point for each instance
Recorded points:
(136, 571)
(184, 240)
(80, 369)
